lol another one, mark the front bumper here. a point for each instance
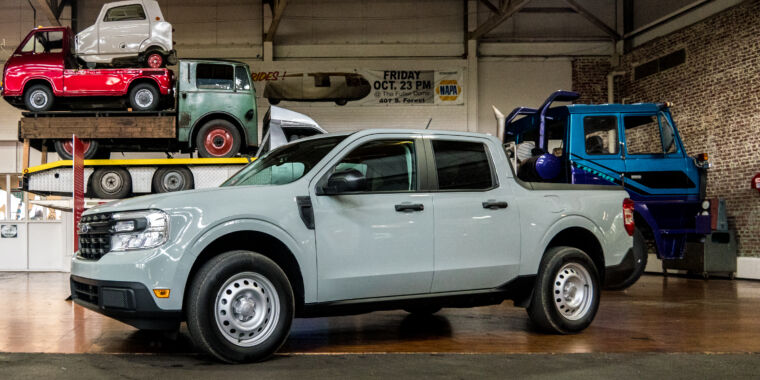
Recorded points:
(128, 302)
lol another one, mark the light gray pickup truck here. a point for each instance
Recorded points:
(349, 223)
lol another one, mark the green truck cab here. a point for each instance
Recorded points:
(216, 107)
(212, 109)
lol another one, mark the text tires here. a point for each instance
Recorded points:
(144, 97)
(111, 183)
(566, 295)
(172, 178)
(240, 307)
(38, 98)
(218, 138)
(640, 255)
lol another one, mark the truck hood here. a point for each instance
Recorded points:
(202, 198)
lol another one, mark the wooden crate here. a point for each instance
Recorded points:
(111, 127)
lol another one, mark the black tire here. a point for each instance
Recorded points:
(218, 138)
(172, 178)
(144, 97)
(111, 183)
(640, 256)
(561, 271)
(341, 102)
(63, 148)
(274, 101)
(39, 98)
(423, 310)
(205, 308)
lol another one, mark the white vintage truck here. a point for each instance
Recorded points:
(353, 222)
(126, 31)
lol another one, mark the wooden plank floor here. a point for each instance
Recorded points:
(657, 314)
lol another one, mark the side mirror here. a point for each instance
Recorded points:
(346, 181)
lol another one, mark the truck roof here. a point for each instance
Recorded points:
(615, 107)
(213, 60)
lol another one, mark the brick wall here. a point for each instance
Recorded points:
(716, 93)
(590, 79)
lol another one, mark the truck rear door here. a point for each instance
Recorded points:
(123, 29)
(595, 152)
(477, 234)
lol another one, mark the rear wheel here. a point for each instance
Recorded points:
(566, 295)
(240, 307)
(65, 149)
(39, 98)
(111, 183)
(155, 60)
(171, 178)
(218, 138)
(144, 97)
(423, 310)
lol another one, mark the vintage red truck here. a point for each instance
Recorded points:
(43, 72)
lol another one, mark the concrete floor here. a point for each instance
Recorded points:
(657, 315)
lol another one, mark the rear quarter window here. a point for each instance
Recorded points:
(462, 165)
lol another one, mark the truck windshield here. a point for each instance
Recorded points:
(285, 164)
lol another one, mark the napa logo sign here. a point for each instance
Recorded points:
(448, 90)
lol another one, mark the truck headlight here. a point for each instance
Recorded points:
(139, 230)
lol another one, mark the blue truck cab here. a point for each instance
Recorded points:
(636, 146)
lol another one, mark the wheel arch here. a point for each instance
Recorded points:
(140, 80)
(37, 80)
(258, 241)
(583, 239)
(218, 115)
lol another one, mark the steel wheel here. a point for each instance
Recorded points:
(173, 181)
(111, 183)
(143, 98)
(573, 290)
(39, 99)
(247, 308)
(218, 141)
(155, 60)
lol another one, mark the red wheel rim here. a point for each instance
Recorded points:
(155, 60)
(218, 141)
(69, 148)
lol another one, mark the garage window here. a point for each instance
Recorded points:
(462, 165)
(214, 77)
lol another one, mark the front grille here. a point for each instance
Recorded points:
(95, 236)
(85, 292)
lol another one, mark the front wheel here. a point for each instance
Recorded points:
(566, 294)
(240, 307)
(218, 138)
(154, 60)
(65, 149)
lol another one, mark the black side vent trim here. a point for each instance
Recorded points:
(306, 211)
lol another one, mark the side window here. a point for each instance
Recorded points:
(668, 134)
(211, 76)
(387, 165)
(601, 134)
(54, 42)
(462, 165)
(242, 82)
(44, 42)
(642, 135)
(125, 13)
(321, 80)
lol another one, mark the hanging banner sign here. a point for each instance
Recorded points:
(363, 87)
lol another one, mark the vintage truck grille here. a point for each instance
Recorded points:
(95, 236)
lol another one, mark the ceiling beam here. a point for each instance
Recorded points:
(506, 10)
(278, 8)
(490, 6)
(547, 10)
(44, 7)
(593, 19)
(59, 9)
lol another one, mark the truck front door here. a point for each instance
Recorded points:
(656, 165)
(123, 29)
(477, 242)
(378, 241)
